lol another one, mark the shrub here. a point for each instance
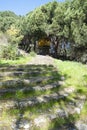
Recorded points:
(8, 52)
(32, 53)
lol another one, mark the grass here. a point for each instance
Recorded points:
(75, 76)
(63, 123)
(42, 75)
(27, 94)
(32, 112)
(84, 113)
(19, 61)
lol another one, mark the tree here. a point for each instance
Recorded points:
(7, 18)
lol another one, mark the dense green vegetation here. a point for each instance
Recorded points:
(64, 24)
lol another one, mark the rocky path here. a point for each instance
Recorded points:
(42, 60)
(33, 96)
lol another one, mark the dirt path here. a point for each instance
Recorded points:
(42, 60)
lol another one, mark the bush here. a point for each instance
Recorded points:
(32, 53)
(8, 52)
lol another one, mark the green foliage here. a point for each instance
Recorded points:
(66, 21)
(14, 36)
(7, 18)
(8, 52)
(32, 53)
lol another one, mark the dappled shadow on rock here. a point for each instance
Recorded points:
(33, 88)
(69, 126)
(25, 75)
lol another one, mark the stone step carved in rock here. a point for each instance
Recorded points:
(33, 100)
